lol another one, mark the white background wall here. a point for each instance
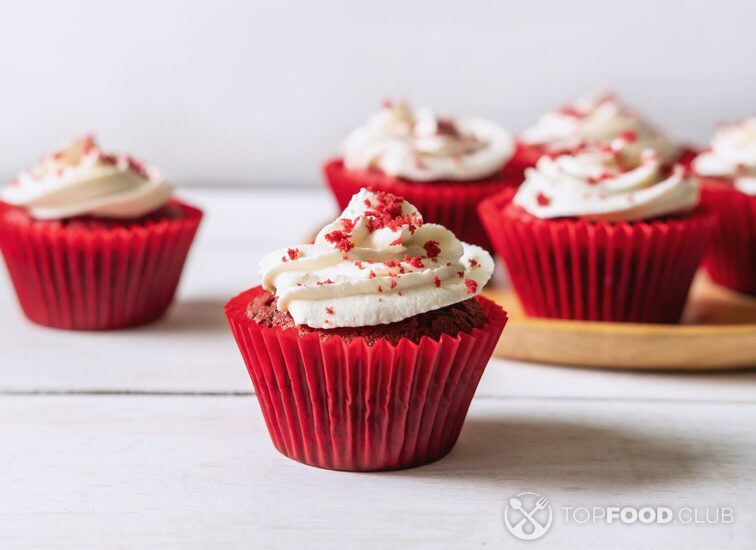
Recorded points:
(260, 92)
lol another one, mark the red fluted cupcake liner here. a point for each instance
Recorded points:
(350, 406)
(731, 257)
(598, 271)
(452, 204)
(101, 278)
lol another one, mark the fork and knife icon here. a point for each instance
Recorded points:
(528, 515)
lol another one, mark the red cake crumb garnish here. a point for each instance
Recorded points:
(473, 262)
(432, 249)
(326, 282)
(392, 263)
(542, 199)
(393, 284)
(460, 274)
(371, 275)
(437, 281)
(137, 167)
(414, 261)
(388, 213)
(359, 264)
(284, 259)
(396, 242)
(448, 264)
(380, 288)
(329, 310)
(347, 225)
(472, 286)
(629, 136)
(107, 159)
(400, 293)
(446, 127)
(293, 253)
(368, 203)
(340, 240)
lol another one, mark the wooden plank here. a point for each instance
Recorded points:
(191, 350)
(199, 472)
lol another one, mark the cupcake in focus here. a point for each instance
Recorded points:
(601, 235)
(727, 172)
(591, 121)
(93, 240)
(366, 347)
(443, 165)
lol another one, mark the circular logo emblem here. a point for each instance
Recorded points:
(528, 515)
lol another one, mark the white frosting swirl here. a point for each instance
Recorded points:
(376, 264)
(597, 119)
(81, 180)
(417, 145)
(732, 155)
(605, 184)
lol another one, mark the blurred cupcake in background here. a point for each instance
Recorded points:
(366, 347)
(601, 235)
(727, 171)
(593, 120)
(93, 240)
(443, 165)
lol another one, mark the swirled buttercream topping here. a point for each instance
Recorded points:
(378, 263)
(732, 155)
(80, 179)
(606, 184)
(418, 145)
(597, 119)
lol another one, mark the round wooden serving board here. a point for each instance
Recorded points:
(718, 331)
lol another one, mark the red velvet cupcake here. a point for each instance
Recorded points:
(600, 236)
(727, 172)
(445, 166)
(591, 120)
(94, 241)
(366, 347)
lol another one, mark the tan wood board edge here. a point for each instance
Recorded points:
(718, 332)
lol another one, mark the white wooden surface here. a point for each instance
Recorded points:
(150, 437)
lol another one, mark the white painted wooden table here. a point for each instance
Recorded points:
(152, 437)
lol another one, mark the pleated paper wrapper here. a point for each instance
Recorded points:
(97, 278)
(598, 271)
(352, 406)
(731, 257)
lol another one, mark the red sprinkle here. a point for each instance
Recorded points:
(436, 281)
(542, 199)
(472, 286)
(414, 261)
(293, 253)
(432, 249)
(340, 240)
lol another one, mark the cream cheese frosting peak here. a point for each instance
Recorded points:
(606, 184)
(597, 119)
(378, 263)
(419, 145)
(80, 179)
(732, 155)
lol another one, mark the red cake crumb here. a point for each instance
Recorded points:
(347, 225)
(414, 261)
(473, 262)
(432, 249)
(451, 320)
(329, 310)
(293, 253)
(393, 284)
(472, 286)
(542, 199)
(359, 264)
(340, 240)
(436, 281)
(388, 213)
(326, 282)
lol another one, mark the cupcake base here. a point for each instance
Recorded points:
(96, 275)
(358, 407)
(452, 204)
(598, 271)
(730, 259)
